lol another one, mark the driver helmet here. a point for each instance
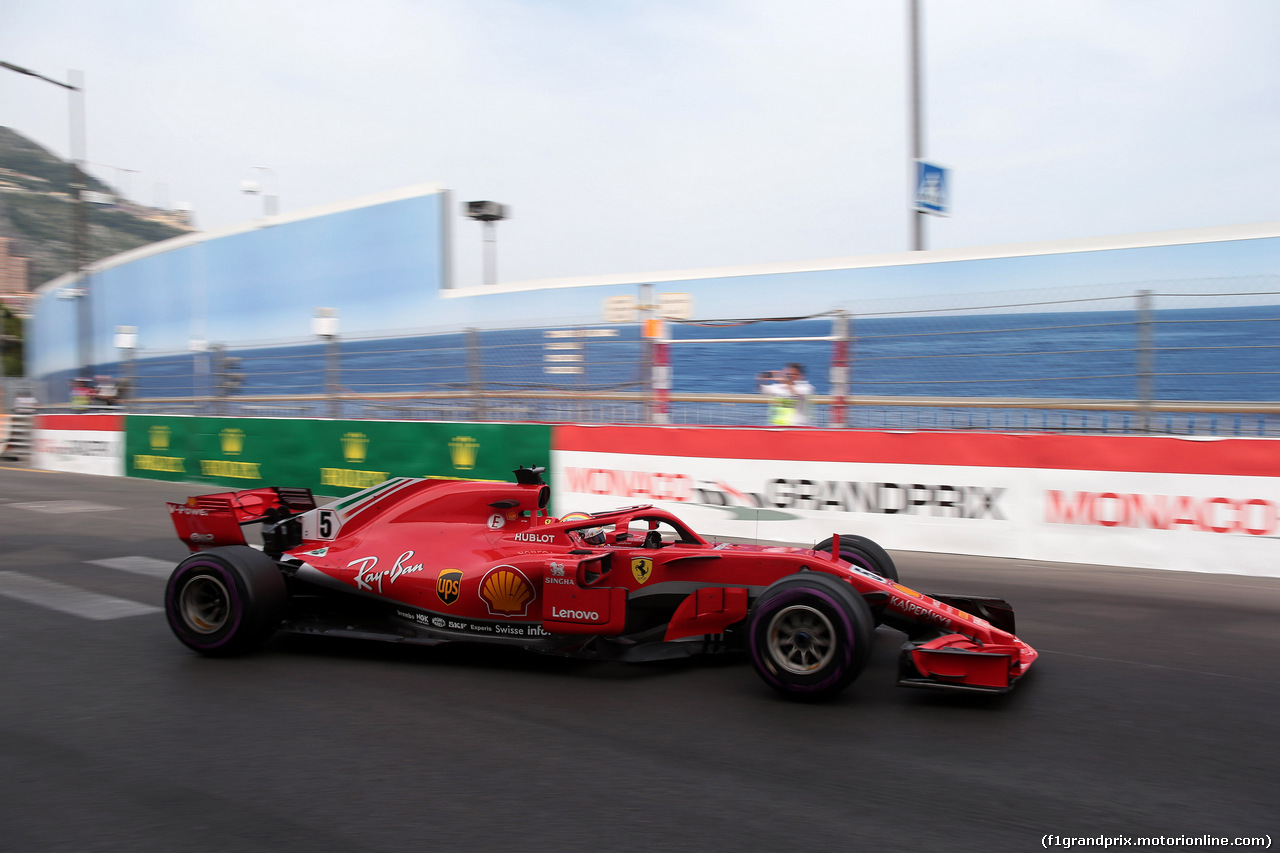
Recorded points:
(590, 535)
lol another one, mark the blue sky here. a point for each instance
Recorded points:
(651, 135)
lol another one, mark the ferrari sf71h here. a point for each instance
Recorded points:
(431, 560)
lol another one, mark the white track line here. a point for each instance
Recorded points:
(148, 566)
(62, 507)
(69, 599)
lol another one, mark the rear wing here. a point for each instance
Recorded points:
(210, 521)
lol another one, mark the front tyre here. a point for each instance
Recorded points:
(861, 551)
(225, 601)
(810, 635)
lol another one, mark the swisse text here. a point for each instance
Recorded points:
(581, 615)
(886, 498)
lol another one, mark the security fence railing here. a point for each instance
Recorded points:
(705, 409)
(1166, 360)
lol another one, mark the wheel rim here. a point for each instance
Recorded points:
(802, 639)
(204, 604)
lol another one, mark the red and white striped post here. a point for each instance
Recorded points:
(660, 378)
(839, 368)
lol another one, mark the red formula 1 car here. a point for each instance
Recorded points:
(431, 560)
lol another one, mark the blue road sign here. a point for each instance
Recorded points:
(932, 192)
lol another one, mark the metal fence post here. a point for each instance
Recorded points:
(657, 358)
(1145, 360)
(125, 387)
(475, 374)
(839, 368)
(217, 361)
(333, 374)
(661, 375)
(324, 325)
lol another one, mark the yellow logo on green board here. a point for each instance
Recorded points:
(232, 441)
(463, 450)
(355, 446)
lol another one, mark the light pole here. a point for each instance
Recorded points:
(917, 123)
(488, 212)
(270, 203)
(84, 319)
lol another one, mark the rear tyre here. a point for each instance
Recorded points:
(225, 601)
(810, 635)
(863, 552)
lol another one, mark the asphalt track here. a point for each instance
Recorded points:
(1153, 711)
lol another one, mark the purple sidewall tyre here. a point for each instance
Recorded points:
(191, 571)
(225, 601)
(844, 649)
(863, 553)
(834, 652)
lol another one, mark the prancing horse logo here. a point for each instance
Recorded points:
(642, 567)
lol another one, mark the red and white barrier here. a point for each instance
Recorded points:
(1207, 505)
(83, 444)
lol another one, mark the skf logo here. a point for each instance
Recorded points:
(462, 450)
(354, 445)
(449, 585)
(232, 441)
(159, 437)
(506, 591)
(642, 568)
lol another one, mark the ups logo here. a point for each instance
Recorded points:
(449, 585)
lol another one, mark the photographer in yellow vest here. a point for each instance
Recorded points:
(790, 391)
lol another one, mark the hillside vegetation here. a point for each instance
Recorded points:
(37, 212)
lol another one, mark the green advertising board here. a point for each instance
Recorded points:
(328, 457)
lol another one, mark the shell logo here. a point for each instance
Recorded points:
(506, 591)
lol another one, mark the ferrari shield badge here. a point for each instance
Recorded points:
(642, 567)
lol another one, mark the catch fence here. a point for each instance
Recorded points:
(1174, 361)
